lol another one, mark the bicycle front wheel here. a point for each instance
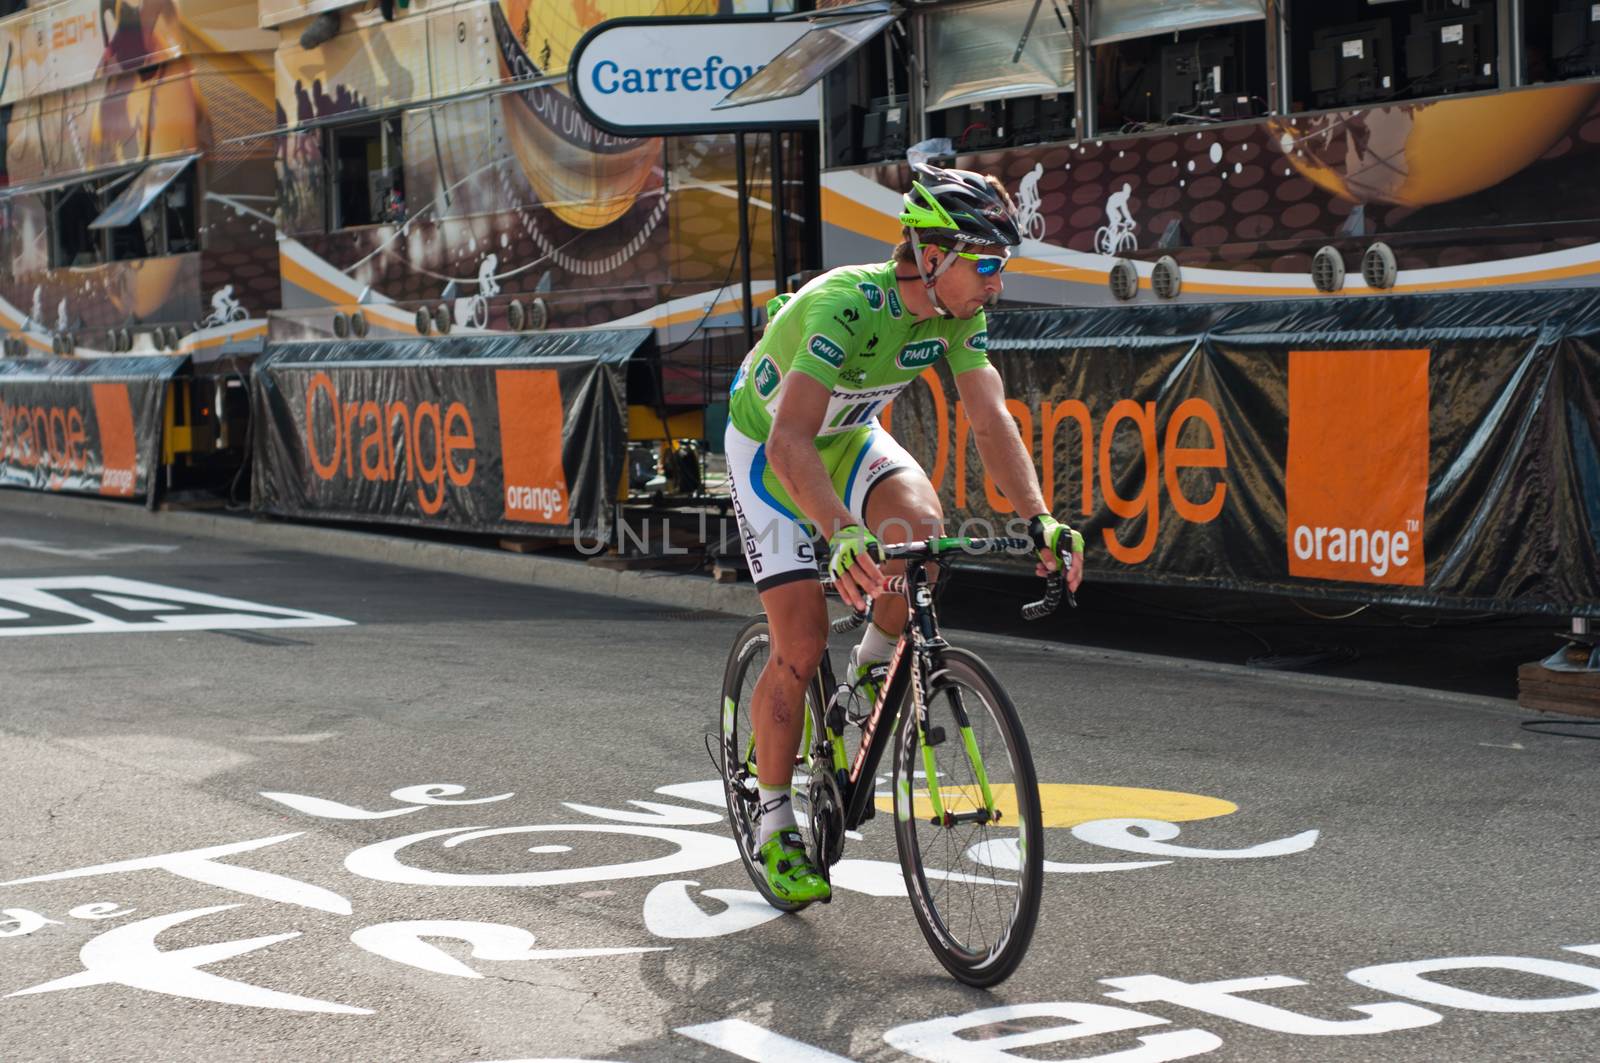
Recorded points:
(968, 822)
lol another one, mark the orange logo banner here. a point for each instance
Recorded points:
(530, 443)
(1357, 477)
(119, 453)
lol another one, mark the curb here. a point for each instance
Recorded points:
(679, 590)
(684, 591)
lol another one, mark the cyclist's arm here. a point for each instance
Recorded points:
(1005, 456)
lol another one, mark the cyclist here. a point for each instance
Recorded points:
(807, 456)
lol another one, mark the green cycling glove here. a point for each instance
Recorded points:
(1050, 534)
(849, 543)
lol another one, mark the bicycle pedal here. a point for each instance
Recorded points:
(934, 736)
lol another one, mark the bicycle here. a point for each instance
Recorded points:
(1110, 241)
(965, 796)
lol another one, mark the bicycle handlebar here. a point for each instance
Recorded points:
(1055, 585)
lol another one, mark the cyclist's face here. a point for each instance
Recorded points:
(964, 289)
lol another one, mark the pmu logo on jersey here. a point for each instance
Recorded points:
(767, 377)
(873, 293)
(978, 341)
(921, 354)
(826, 349)
(1357, 476)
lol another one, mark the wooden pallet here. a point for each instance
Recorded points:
(1569, 693)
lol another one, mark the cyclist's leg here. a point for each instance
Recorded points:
(777, 547)
(799, 620)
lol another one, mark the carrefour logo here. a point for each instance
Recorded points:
(766, 378)
(873, 293)
(716, 74)
(826, 349)
(921, 354)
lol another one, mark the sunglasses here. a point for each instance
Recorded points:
(988, 265)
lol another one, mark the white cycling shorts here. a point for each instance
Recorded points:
(777, 538)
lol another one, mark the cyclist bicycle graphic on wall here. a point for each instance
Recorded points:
(225, 309)
(1030, 223)
(1118, 234)
(473, 310)
(807, 456)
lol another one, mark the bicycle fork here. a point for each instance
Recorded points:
(929, 736)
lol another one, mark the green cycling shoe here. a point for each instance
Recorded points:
(790, 874)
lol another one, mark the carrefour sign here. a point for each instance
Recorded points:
(654, 76)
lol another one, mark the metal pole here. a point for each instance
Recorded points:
(780, 222)
(1277, 59)
(744, 237)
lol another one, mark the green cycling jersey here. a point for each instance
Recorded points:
(848, 331)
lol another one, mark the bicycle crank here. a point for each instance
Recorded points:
(827, 819)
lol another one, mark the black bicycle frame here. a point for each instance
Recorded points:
(917, 657)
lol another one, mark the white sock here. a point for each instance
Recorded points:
(777, 813)
(875, 646)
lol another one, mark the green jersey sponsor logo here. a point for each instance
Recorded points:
(894, 303)
(921, 354)
(767, 377)
(853, 376)
(978, 341)
(873, 293)
(826, 349)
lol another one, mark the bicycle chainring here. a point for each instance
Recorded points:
(827, 819)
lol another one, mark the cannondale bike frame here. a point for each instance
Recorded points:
(917, 658)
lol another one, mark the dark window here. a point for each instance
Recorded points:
(368, 174)
(866, 107)
(72, 242)
(1205, 75)
(177, 208)
(1351, 52)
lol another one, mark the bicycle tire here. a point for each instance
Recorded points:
(736, 757)
(980, 853)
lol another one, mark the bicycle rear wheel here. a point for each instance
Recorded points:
(737, 752)
(975, 884)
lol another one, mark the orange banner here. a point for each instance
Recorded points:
(1357, 476)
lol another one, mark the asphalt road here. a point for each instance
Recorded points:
(260, 842)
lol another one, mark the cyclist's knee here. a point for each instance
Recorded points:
(797, 655)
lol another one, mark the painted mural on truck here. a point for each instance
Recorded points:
(498, 206)
(1487, 191)
(148, 117)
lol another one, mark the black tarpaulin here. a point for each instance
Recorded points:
(1428, 449)
(84, 425)
(519, 434)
